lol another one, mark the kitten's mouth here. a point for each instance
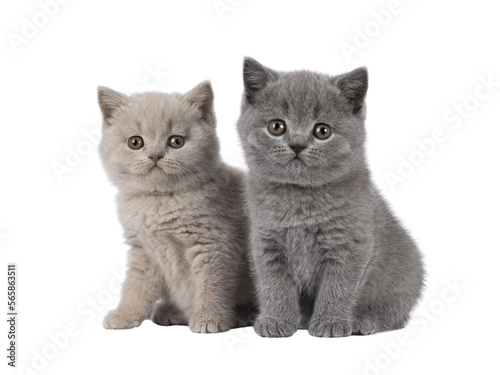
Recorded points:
(155, 167)
(297, 163)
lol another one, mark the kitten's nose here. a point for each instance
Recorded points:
(297, 148)
(155, 157)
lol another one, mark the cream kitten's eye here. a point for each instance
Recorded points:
(135, 142)
(322, 131)
(176, 141)
(276, 127)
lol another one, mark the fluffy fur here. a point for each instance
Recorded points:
(329, 254)
(181, 210)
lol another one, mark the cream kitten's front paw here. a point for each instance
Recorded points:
(168, 318)
(204, 323)
(117, 320)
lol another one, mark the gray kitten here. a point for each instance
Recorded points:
(329, 254)
(181, 209)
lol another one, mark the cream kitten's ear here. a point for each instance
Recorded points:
(110, 101)
(202, 97)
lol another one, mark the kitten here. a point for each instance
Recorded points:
(329, 254)
(182, 210)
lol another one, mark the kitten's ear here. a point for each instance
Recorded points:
(255, 77)
(202, 97)
(353, 86)
(110, 101)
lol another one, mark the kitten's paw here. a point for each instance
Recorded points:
(168, 319)
(204, 324)
(364, 326)
(266, 326)
(116, 320)
(167, 315)
(325, 328)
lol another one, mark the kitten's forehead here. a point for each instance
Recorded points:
(158, 113)
(303, 95)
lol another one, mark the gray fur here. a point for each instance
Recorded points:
(329, 254)
(184, 219)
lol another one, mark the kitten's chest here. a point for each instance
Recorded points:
(286, 206)
(302, 252)
(154, 217)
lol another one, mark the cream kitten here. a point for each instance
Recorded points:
(182, 210)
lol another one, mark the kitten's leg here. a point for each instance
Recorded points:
(378, 317)
(277, 293)
(142, 286)
(246, 304)
(393, 288)
(378, 311)
(340, 277)
(216, 283)
(165, 313)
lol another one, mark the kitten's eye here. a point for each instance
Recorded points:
(135, 142)
(276, 127)
(176, 141)
(322, 131)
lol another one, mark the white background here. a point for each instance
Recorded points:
(425, 60)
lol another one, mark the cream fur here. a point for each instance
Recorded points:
(184, 218)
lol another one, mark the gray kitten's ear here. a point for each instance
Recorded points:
(353, 86)
(255, 77)
(202, 97)
(110, 101)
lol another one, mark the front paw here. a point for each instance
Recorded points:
(163, 318)
(166, 314)
(365, 326)
(329, 328)
(267, 326)
(204, 323)
(117, 320)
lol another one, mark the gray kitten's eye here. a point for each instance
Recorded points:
(135, 142)
(322, 131)
(176, 141)
(276, 127)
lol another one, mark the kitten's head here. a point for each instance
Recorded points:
(302, 127)
(157, 142)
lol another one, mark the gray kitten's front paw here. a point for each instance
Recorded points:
(117, 320)
(364, 326)
(267, 326)
(209, 324)
(329, 328)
